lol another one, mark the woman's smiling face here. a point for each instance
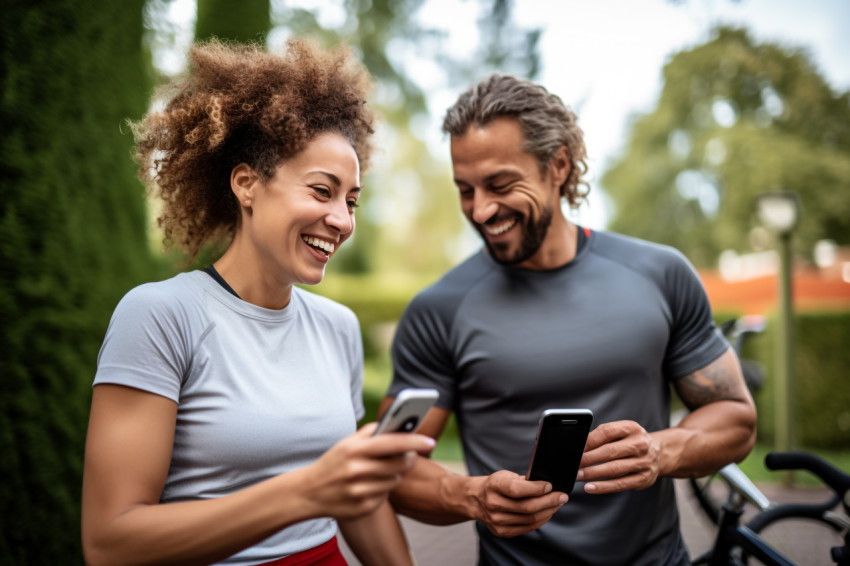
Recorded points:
(298, 218)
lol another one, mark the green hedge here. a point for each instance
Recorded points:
(821, 387)
(72, 241)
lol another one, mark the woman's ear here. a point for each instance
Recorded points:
(243, 181)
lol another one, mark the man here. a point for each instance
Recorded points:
(553, 315)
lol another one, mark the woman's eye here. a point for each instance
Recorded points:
(352, 204)
(322, 191)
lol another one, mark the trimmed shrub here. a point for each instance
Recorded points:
(72, 241)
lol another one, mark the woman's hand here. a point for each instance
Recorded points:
(354, 477)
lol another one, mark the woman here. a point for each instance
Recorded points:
(225, 403)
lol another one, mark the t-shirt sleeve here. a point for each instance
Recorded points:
(145, 346)
(695, 340)
(355, 349)
(421, 353)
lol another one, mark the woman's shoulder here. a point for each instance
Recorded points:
(323, 306)
(178, 293)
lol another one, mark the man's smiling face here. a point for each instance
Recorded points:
(503, 192)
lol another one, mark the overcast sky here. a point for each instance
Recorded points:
(605, 57)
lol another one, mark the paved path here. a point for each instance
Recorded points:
(808, 544)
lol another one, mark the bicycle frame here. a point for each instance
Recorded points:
(731, 535)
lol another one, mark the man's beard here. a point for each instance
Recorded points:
(533, 234)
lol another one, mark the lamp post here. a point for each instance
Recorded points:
(779, 211)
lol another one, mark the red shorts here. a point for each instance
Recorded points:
(326, 554)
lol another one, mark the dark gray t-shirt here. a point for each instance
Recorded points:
(609, 331)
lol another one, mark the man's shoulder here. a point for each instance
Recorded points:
(444, 296)
(647, 257)
(614, 243)
(459, 280)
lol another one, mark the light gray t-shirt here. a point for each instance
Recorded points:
(260, 392)
(609, 331)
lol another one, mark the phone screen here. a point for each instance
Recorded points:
(561, 438)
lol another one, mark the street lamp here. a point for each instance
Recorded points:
(779, 211)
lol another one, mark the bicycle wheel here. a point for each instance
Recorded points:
(805, 532)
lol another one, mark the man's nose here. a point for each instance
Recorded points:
(484, 207)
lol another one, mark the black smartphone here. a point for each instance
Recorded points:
(561, 437)
(407, 410)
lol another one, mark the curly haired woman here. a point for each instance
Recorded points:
(224, 408)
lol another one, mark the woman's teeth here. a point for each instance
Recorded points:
(326, 247)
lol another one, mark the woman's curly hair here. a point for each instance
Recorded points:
(239, 104)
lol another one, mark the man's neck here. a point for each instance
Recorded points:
(559, 247)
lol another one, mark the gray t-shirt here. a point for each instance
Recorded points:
(608, 331)
(260, 392)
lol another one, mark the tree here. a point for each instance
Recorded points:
(734, 119)
(250, 20)
(72, 241)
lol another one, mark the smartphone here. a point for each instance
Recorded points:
(561, 437)
(407, 410)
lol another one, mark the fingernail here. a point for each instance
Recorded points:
(580, 475)
(430, 441)
(590, 487)
(563, 499)
(548, 488)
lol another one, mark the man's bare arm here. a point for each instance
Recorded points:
(720, 429)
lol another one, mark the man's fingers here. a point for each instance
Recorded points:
(508, 525)
(607, 442)
(609, 432)
(516, 486)
(629, 482)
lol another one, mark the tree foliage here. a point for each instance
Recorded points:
(249, 20)
(734, 119)
(72, 241)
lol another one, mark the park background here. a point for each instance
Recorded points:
(691, 109)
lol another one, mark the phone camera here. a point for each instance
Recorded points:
(409, 424)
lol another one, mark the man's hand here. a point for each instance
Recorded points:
(509, 505)
(620, 456)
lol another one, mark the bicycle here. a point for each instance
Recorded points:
(735, 543)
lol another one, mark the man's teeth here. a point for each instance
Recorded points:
(326, 247)
(497, 229)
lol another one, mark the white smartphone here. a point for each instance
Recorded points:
(407, 410)
(561, 437)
